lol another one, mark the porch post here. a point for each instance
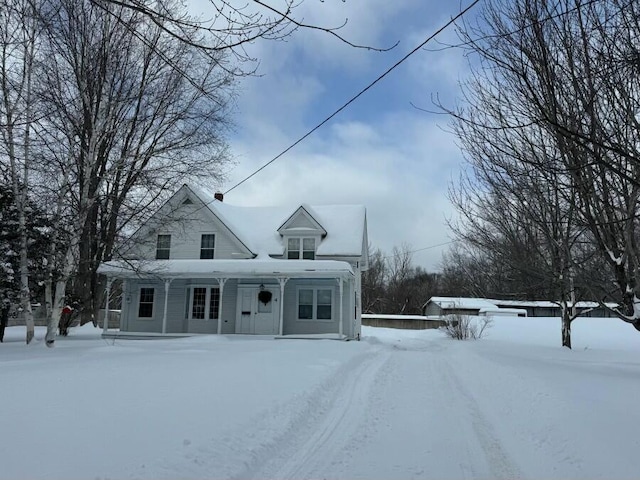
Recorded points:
(126, 300)
(167, 283)
(352, 306)
(341, 284)
(105, 320)
(221, 282)
(282, 281)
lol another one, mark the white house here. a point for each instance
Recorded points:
(202, 266)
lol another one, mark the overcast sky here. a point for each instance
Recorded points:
(381, 152)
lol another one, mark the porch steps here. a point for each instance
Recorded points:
(115, 335)
(313, 336)
(146, 335)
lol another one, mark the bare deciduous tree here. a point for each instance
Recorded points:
(124, 126)
(521, 210)
(393, 285)
(549, 116)
(228, 25)
(374, 283)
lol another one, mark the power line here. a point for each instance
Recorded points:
(434, 246)
(421, 249)
(360, 93)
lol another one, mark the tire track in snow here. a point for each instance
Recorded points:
(460, 440)
(303, 451)
(332, 422)
(498, 460)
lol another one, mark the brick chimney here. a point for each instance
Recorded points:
(218, 196)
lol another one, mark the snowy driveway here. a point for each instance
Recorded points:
(418, 405)
(402, 412)
(400, 404)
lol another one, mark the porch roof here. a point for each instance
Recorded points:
(261, 268)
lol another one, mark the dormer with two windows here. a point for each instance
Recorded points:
(301, 234)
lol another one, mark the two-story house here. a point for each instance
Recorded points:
(200, 265)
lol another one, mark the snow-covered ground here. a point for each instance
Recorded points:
(399, 404)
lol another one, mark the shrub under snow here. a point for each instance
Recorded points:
(463, 327)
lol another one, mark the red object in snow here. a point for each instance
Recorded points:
(67, 310)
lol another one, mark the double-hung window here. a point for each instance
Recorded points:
(204, 303)
(315, 303)
(145, 305)
(207, 246)
(163, 247)
(298, 248)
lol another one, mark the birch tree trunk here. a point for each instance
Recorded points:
(69, 266)
(18, 49)
(25, 292)
(20, 193)
(54, 319)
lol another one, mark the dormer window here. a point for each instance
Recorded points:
(301, 248)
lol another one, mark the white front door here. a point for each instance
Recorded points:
(258, 317)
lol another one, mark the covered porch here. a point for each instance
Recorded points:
(282, 298)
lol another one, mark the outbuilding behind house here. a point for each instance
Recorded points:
(442, 306)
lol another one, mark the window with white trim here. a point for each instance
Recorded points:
(163, 247)
(207, 246)
(204, 303)
(145, 304)
(315, 303)
(298, 247)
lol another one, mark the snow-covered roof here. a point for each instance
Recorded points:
(257, 227)
(266, 267)
(462, 303)
(503, 311)
(385, 316)
(488, 304)
(546, 304)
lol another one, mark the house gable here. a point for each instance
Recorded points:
(186, 217)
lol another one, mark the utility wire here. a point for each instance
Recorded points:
(421, 249)
(360, 93)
